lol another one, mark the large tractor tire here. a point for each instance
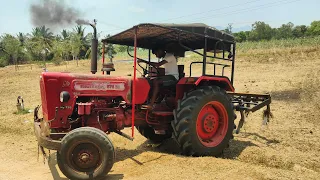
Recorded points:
(149, 133)
(203, 122)
(86, 153)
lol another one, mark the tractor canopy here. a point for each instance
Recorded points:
(174, 37)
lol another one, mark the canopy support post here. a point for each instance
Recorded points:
(134, 80)
(204, 65)
(233, 62)
(103, 49)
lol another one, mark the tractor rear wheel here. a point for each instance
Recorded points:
(148, 132)
(86, 153)
(204, 121)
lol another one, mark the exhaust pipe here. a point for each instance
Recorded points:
(94, 49)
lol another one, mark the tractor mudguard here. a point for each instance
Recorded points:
(187, 83)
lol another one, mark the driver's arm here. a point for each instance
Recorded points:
(156, 64)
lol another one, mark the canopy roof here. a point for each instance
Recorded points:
(160, 35)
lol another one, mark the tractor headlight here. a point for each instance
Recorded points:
(64, 96)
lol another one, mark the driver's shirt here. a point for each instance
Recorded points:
(171, 67)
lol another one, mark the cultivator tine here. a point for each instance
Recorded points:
(43, 154)
(267, 115)
(241, 122)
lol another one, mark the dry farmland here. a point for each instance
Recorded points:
(288, 148)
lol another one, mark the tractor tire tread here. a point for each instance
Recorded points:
(183, 118)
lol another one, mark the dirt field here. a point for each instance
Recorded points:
(288, 148)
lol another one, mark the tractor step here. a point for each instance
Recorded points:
(163, 113)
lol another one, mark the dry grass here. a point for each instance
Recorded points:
(287, 149)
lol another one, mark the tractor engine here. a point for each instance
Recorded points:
(71, 100)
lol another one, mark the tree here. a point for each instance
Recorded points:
(61, 49)
(241, 36)
(314, 29)
(75, 44)
(260, 31)
(110, 51)
(299, 31)
(11, 46)
(23, 53)
(65, 34)
(120, 48)
(229, 29)
(84, 39)
(285, 31)
(41, 42)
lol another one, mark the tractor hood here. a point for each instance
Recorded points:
(54, 84)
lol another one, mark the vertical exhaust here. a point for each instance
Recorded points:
(94, 49)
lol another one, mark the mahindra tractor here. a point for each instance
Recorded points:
(199, 111)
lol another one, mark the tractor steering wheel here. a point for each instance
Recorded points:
(146, 71)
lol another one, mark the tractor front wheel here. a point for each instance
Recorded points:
(204, 121)
(86, 153)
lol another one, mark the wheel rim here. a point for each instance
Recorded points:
(212, 124)
(84, 157)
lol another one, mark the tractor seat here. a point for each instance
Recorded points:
(107, 67)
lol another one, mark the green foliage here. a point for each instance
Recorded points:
(110, 50)
(57, 61)
(285, 31)
(260, 31)
(314, 29)
(120, 48)
(299, 31)
(41, 44)
(241, 36)
(11, 46)
(263, 32)
(3, 62)
(313, 42)
(23, 111)
(75, 44)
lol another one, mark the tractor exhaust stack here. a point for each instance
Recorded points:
(94, 49)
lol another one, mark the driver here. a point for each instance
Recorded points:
(171, 76)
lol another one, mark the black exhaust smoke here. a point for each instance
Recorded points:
(53, 14)
(56, 14)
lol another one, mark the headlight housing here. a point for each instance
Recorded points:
(64, 96)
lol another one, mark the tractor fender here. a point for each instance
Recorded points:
(187, 83)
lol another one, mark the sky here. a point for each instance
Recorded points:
(113, 16)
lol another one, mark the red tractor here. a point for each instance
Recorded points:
(79, 110)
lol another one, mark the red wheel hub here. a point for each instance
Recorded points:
(212, 124)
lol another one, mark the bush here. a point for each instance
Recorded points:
(3, 62)
(57, 61)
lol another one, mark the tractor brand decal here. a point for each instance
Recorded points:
(99, 86)
(65, 84)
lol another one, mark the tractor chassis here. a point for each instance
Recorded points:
(242, 102)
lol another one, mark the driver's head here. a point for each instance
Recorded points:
(159, 52)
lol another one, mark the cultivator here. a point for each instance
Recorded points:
(246, 103)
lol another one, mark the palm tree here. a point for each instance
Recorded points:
(22, 47)
(43, 35)
(65, 34)
(42, 40)
(85, 44)
(22, 38)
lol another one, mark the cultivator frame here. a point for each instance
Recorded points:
(246, 103)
